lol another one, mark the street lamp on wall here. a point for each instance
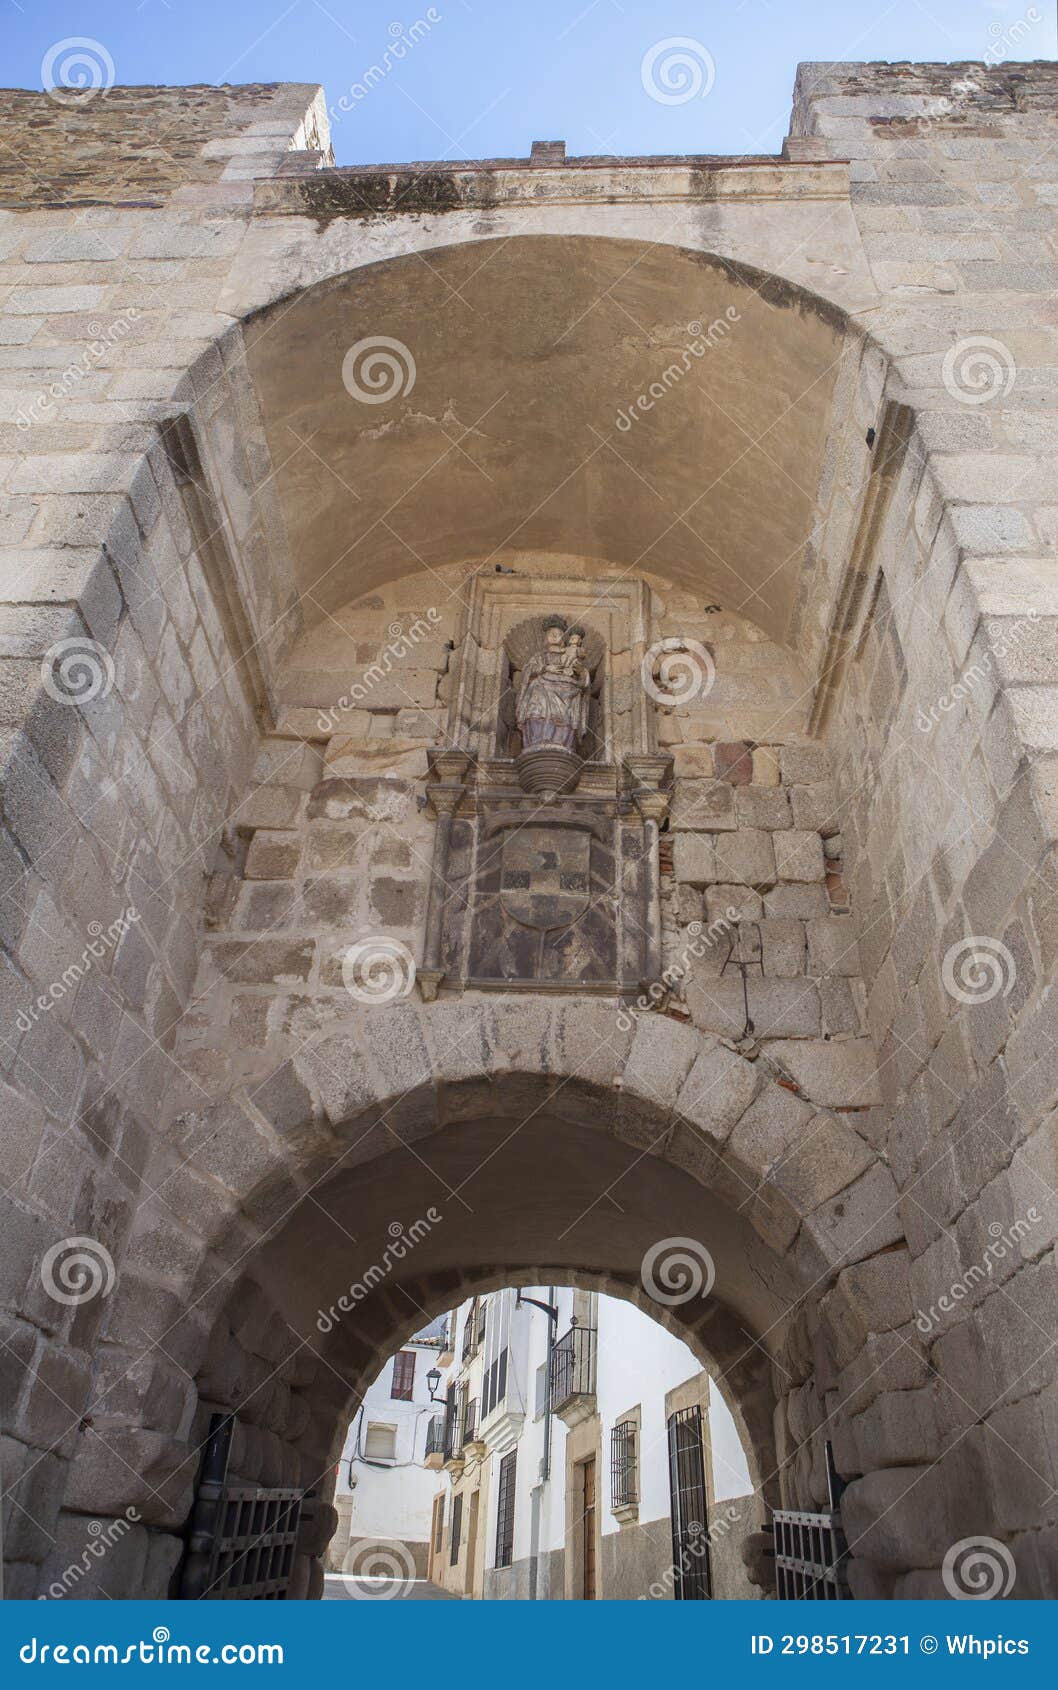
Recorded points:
(433, 1379)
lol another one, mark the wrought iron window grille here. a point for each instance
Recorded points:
(624, 1465)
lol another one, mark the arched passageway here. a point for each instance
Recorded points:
(241, 1143)
(424, 1153)
(540, 1443)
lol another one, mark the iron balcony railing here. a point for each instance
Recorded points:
(572, 1366)
(435, 1435)
(470, 1421)
(453, 1441)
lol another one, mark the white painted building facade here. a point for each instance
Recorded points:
(384, 1493)
(564, 1422)
(616, 1379)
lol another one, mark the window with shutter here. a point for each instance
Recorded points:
(541, 1391)
(403, 1388)
(505, 1510)
(457, 1527)
(380, 1444)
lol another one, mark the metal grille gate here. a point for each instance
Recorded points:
(809, 1557)
(242, 1538)
(810, 1549)
(690, 1507)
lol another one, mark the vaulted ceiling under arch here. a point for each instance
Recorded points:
(523, 427)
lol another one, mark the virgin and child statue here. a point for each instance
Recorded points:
(552, 704)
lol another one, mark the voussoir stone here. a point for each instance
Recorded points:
(860, 1220)
(659, 1061)
(828, 1157)
(839, 1073)
(767, 1131)
(716, 1093)
(336, 1069)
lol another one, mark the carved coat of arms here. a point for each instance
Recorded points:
(545, 875)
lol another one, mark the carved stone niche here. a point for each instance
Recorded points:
(545, 869)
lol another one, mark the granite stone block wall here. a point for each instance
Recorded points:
(198, 820)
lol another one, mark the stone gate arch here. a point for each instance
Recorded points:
(744, 1381)
(162, 541)
(508, 1115)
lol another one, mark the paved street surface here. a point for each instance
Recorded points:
(338, 1589)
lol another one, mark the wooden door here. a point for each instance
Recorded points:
(437, 1528)
(472, 1545)
(588, 1529)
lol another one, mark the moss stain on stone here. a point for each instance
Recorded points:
(772, 289)
(363, 194)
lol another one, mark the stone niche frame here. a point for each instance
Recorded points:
(604, 834)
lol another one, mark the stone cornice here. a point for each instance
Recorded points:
(395, 190)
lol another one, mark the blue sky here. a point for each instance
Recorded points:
(485, 77)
